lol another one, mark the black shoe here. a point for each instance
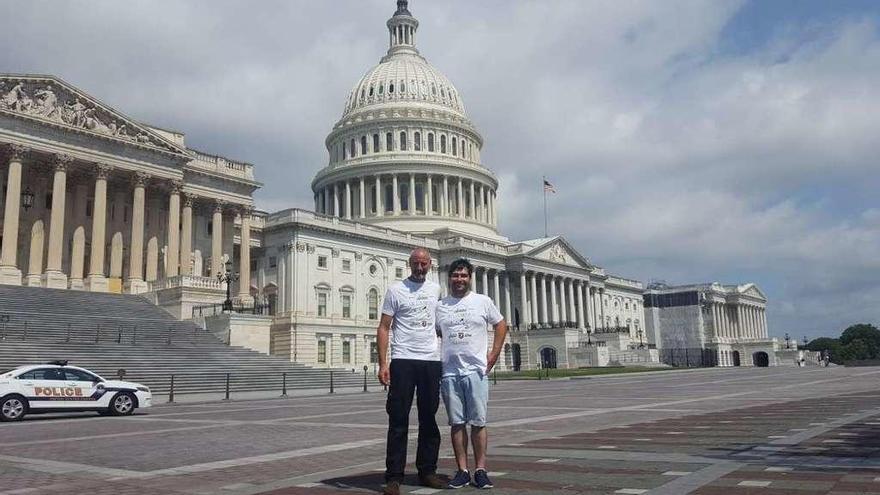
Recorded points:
(481, 479)
(461, 479)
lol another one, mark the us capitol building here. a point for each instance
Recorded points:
(94, 200)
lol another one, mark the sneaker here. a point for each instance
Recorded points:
(461, 479)
(481, 479)
(432, 481)
(392, 488)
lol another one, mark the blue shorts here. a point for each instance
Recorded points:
(465, 398)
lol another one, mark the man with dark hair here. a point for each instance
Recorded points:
(463, 319)
(408, 314)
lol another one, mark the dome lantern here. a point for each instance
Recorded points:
(402, 29)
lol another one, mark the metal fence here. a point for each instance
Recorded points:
(218, 309)
(693, 357)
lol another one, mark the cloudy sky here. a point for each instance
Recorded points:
(689, 141)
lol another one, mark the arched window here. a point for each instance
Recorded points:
(464, 145)
(389, 142)
(402, 87)
(344, 151)
(403, 141)
(433, 89)
(371, 91)
(363, 93)
(417, 142)
(363, 145)
(352, 151)
(431, 141)
(391, 88)
(442, 143)
(381, 88)
(375, 143)
(454, 146)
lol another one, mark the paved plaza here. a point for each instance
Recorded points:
(766, 431)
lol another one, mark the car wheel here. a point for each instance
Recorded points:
(13, 408)
(123, 404)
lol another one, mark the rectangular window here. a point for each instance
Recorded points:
(346, 265)
(322, 351)
(346, 305)
(398, 272)
(273, 261)
(346, 351)
(322, 262)
(374, 352)
(322, 304)
(90, 205)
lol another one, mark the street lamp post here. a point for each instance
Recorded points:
(228, 277)
(787, 341)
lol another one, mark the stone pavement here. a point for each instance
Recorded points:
(716, 431)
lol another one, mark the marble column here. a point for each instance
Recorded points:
(347, 200)
(580, 305)
(553, 307)
(186, 235)
(244, 270)
(336, 210)
(485, 281)
(480, 206)
(96, 281)
(444, 204)
(217, 239)
(507, 313)
(588, 302)
(10, 274)
(429, 196)
(172, 253)
(379, 199)
(496, 293)
(362, 199)
(563, 307)
(412, 194)
(474, 280)
(326, 194)
(544, 317)
(395, 196)
(602, 307)
(472, 203)
(54, 278)
(460, 203)
(523, 303)
(135, 283)
(534, 296)
(714, 308)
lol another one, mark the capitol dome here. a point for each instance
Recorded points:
(404, 154)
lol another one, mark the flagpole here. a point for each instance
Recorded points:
(544, 188)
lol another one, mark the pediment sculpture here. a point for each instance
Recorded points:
(48, 100)
(557, 254)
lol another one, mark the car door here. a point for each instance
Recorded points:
(43, 388)
(81, 388)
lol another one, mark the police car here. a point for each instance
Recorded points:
(57, 387)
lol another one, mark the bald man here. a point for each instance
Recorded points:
(408, 313)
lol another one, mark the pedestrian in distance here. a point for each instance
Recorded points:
(408, 322)
(463, 319)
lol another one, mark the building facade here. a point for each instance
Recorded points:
(709, 324)
(93, 200)
(96, 201)
(404, 170)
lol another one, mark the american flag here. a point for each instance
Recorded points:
(548, 187)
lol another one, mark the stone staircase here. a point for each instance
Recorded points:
(108, 332)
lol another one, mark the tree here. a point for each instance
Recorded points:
(861, 340)
(827, 344)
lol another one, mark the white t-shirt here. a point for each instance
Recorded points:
(464, 324)
(413, 307)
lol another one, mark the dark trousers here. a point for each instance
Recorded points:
(422, 378)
